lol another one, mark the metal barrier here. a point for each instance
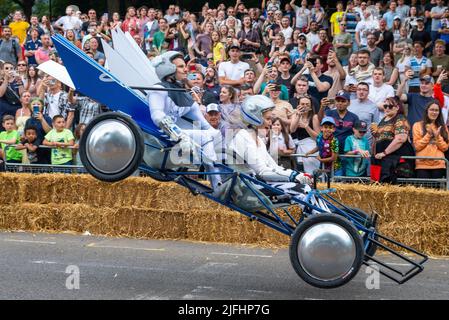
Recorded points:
(42, 168)
(442, 183)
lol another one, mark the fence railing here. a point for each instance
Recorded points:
(442, 183)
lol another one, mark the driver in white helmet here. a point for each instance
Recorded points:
(248, 151)
(179, 116)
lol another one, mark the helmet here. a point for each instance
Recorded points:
(253, 108)
(164, 63)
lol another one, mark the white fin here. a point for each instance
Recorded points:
(57, 71)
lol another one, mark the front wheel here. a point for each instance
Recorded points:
(111, 147)
(326, 251)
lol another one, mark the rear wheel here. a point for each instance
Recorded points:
(326, 250)
(111, 147)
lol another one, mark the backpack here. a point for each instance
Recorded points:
(14, 44)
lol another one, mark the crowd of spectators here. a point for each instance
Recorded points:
(366, 79)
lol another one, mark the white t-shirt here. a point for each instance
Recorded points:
(287, 34)
(312, 40)
(232, 71)
(69, 22)
(53, 104)
(379, 94)
(301, 16)
(364, 27)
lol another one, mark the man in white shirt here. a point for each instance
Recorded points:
(312, 37)
(69, 22)
(364, 27)
(302, 14)
(380, 91)
(232, 73)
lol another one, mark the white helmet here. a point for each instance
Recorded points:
(164, 64)
(253, 108)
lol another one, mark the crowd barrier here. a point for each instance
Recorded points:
(442, 183)
(144, 208)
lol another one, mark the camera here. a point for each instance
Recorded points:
(247, 56)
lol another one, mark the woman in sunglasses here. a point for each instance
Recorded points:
(391, 143)
(431, 139)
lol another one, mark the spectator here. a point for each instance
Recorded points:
(342, 43)
(95, 32)
(280, 144)
(7, 138)
(278, 46)
(403, 62)
(440, 62)
(11, 88)
(286, 30)
(171, 16)
(365, 27)
(10, 50)
(351, 17)
(249, 37)
(336, 19)
(130, 24)
(56, 101)
(42, 123)
(46, 26)
(336, 72)
(79, 131)
(30, 146)
(319, 84)
(298, 53)
(430, 138)
(302, 89)
(218, 49)
(32, 45)
(33, 80)
(304, 129)
(34, 24)
(344, 119)
(97, 55)
(116, 21)
(391, 73)
(322, 48)
(376, 54)
(420, 65)
(357, 144)
(390, 14)
(213, 116)
(149, 29)
(403, 42)
(229, 108)
(59, 138)
(24, 113)
(327, 147)
(159, 43)
(245, 91)
(443, 30)
(421, 34)
(69, 22)
(285, 77)
(42, 54)
(384, 37)
(364, 108)
(71, 36)
(363, 72)
(203, 43)
(282, 109)
(411, 21)
(211, 86)
(86, 107)
(312, 37)
(232, 72)
(303, 15)
(379, 91)
(402, 9)
(396, 29)
(19, 27)
(437, 13)
(391, 142)
(92, 18)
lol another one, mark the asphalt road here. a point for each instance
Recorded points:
(42, 266)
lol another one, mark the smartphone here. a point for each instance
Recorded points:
(270, 65)
(331, 101)
(35, 110)
(192, 76)
(246, 56)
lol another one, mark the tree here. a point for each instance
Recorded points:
(26, 6)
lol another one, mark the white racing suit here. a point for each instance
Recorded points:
(178, 116)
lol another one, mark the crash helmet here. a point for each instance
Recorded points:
(254, 107)
(163, 64)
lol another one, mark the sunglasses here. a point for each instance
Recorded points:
(21, 65)
(389, 106)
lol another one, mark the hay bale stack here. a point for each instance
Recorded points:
(144, 208)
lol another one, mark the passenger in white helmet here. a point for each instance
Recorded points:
(177, 115)
(249, 153)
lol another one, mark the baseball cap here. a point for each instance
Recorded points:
(361, 126)
(420, 19)
(284, 58)
(212, 107)
(234, 46)
(343, 95)
(328, 120)
(396, 18)
(427, 78)
(302, 35)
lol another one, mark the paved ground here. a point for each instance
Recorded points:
(34, 266)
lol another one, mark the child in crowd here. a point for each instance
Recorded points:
(280, 144)
(60, 138)
(31, 145)
(10, 137)
(357, 144)
(327, 147)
